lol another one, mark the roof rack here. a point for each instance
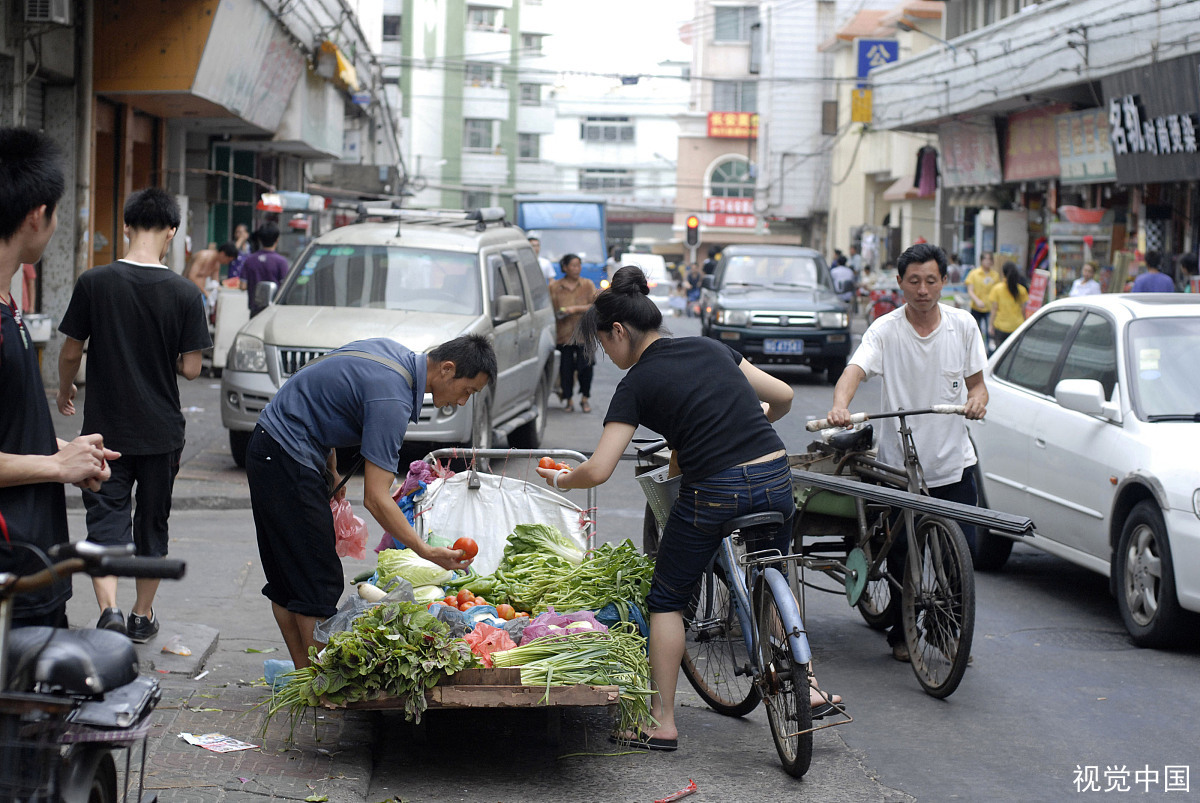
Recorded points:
(445, 217)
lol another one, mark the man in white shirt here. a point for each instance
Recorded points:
(1086, 284)
(546, 265)
(927, 353)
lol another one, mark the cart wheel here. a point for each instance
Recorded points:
(877, 604)
(715, 659)
(938, 604)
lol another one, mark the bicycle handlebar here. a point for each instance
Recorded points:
(858, 418)
(651, 447)
(95, 560)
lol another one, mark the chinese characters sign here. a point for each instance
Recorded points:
(1153, 116)
(874, 53)
(970, 153)
(733, 125)
(1172, 778)
(1132, 131)
(1084, 149)
(732, 213)
(1031, 151)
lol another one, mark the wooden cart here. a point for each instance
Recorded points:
(498, 688)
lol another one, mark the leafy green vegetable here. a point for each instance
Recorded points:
(413, 568)
(541, 539)
(397, 649)
(428, 594)
(610, 574)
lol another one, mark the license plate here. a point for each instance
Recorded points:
(783, 346)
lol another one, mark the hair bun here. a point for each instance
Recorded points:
(630, 279)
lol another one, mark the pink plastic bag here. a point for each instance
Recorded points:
(349, 530)
(485, 640)
(551, 624)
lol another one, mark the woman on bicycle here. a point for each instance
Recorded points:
(709, 404)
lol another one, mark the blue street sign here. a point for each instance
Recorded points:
(874, 53)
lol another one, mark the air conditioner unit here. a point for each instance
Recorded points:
(57, 12)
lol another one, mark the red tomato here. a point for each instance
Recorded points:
(464, 595)
(452, 601)
(481, 601)
(562, 467)
(505, 611)
(547, 462)
(465, 605)
(468, 546)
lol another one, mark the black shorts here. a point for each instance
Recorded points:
(295, 530)
(109, 519)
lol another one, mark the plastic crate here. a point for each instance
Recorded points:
(660, 492)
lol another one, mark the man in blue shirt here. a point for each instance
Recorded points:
(362, 395)
(1153, 280)
(264, 265)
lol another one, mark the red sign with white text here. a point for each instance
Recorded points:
(1037, 291)
(733, 125)
(730, 213)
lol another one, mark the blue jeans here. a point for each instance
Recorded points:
(693, 531)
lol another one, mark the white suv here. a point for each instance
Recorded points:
(421, 279)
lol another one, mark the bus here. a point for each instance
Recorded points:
(567, 224)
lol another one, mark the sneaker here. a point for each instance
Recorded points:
(900, 653)
(142, 628)
(111, 619)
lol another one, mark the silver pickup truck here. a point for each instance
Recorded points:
(421, 279)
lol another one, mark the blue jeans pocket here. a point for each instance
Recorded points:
(711, 509)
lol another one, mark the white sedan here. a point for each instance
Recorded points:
(1093, 431)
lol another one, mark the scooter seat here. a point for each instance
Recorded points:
(77, 662)
(858, 440)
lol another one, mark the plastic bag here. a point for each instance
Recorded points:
(551, 623)
(349, 530)
(485, 640)
(609, 615)
(353, 606)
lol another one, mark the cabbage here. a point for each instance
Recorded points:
(542, 539)
(412, 567)
(427, 594)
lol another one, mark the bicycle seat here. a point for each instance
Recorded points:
(79, 662)
(765, 518)
(853, 440)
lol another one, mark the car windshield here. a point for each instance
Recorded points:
(386, 277)
(790, 271)
(1162, 357)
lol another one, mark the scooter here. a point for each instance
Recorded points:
(69, 698)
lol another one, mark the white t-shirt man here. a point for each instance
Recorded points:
(547, 268)
(919, 372)
(1084, 287)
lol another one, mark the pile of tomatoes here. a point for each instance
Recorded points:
(465, 600)
(549, 462)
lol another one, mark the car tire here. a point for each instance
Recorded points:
(1146, 579)
(529, 436)
(991, 551)
(238, 441)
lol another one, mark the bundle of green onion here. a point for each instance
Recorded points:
(616, 658)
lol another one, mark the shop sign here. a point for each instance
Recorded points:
(733, 125)
(970, 153)
(1132, 131)
(1031, 151)
(860, 106)
(1084, 147)
(1154, 121)
(1037, 291)
(730, 213)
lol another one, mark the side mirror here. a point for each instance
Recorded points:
(508, 308)
(1084, 396)
(707, 283)
(264, 294)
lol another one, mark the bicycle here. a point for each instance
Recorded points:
(69, 698)
(745, 641)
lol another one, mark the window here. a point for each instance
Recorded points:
(531, 42)
(477, 135)
(529, 146)
(391, 27)
(731, 179)
(1161, 366)
(477, 198)
(1031, 363)
(1093, 354)
(735, 96)
(732, 23)
(605, 179)
(606, 129)
(481, 19)
(531, 271)
(480, 74)
(531, 95)
(505, 273)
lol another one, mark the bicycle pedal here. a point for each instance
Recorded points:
(743, 671)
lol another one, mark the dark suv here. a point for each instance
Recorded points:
(776, 304)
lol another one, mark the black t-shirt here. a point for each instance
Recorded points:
(691, 391)
(34, 514)
(139, 319)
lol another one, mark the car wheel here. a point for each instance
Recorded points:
(1146, 579)
(991, 551)
(238, 441)
(529, 436)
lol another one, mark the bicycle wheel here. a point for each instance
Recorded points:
(938, 604)
(715, 659)
(877, 604)
(784, 683)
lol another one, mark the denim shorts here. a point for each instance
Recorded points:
(693, 531)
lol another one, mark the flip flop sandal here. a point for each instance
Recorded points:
(584, 407)
(643, 742)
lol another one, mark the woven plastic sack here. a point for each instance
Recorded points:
(485, 640)
(349, 530)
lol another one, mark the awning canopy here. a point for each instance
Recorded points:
(901, 189)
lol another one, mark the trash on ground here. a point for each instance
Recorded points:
(684, 792)
(175, 646)
(216, 742)
(268, 649)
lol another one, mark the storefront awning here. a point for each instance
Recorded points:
(333, 64)
(901, 189)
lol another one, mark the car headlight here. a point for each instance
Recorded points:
(1196, 502)
(833, 320)
(733, 317)
(247, 354)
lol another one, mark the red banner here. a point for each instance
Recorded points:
(1037, 291)
(733, 125)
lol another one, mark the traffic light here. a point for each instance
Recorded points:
(693, 231)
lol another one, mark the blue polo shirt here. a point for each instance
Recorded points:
(348, 401)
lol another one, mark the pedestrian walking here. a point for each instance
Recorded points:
(264, 265)
(1153, 280)
(1007, 301)
(571, 296)
(143, 324)
(980, 281)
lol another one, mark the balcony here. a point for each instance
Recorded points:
(485, 102)
(534, 119)
(492, 46)
(484, 168)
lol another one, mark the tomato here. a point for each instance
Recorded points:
(466, 605)
(547, 462)
(481, 601)
(562, 467)
(464, 595)
(521, 613)
(505, 611)
(452, 601)
(468, 546)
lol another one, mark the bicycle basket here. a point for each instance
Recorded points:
(660, 492)
(29, 753)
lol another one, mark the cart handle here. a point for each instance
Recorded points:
(858, 418)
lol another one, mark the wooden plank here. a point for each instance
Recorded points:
(508, 676)
(500, 696)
